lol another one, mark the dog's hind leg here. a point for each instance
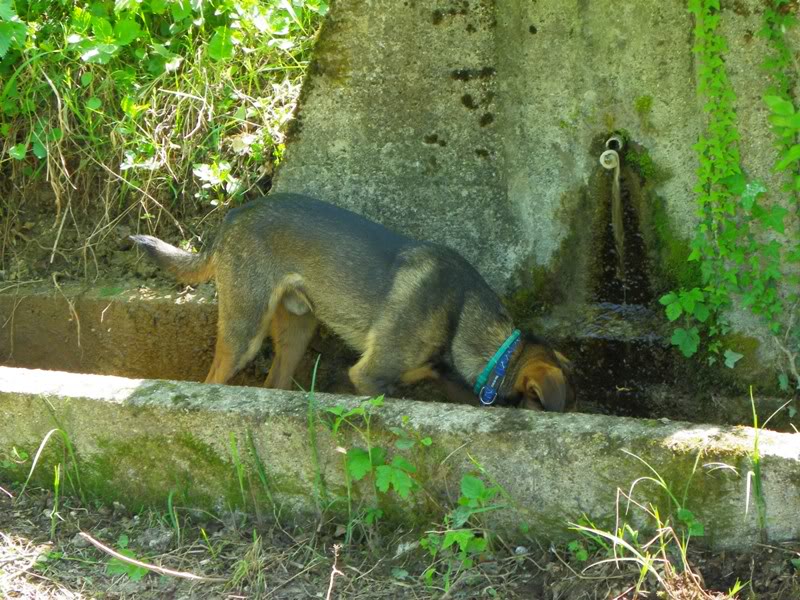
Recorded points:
(242, 325)
(291, 334)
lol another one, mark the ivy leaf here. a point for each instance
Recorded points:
(358, 463)
(731, 358)
(751, 193)
(789, 157)
(736, 183)
(773, 218)
(687, 340)
(779, 106)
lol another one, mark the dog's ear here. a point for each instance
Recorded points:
(542, 383)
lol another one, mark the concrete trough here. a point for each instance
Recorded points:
(137, 441)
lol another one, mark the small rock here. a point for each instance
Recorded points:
(79, 541)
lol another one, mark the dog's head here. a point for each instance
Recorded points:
(543, 380)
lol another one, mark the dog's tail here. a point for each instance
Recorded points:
(184, 266)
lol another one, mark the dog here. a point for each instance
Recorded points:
(413, 310)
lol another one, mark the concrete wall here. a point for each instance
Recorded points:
(472, 123)
(137, 441)
(478, 123)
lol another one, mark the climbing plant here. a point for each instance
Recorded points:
(738, 241)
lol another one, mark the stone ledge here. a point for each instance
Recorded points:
(138, 440)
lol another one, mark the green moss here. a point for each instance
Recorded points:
(531, 297)
(671, 250)
(186, 465)
(643, 106)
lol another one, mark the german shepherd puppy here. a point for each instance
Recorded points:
(413, 310)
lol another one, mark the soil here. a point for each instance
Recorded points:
(261, 558)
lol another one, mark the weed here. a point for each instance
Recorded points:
(250, 570)
(56, 491)
(172, 514)
(71, 464)
(656, 556)
(371, 462)
(158, 104)
(455, 548)
(237, 463)
(115, 566)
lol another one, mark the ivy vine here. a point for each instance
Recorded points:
(738, 241)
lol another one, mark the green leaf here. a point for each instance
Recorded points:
(674, 311)
(404, 444)
(158, 7)
(377, 456)
(399, 573)
(102, 29)
(774, 217)
(387, 475)
(472, 487)
(795, 563)
(358, 463)
(38, 147)
(668, 298)
(789, 157)
(402, 463)
(736, 183)
(221, 45)
(126, 31)
(7, 12)
(94, 103)
(696, 529)
(18, 151)
(751, 192)
(731, 358)
(783, 382)
(426, 441)
(779, 106)
(701, 312)
(87, 78)
(686, 340)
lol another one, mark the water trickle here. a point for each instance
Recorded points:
(621, 276)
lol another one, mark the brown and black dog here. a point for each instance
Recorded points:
(413, 310)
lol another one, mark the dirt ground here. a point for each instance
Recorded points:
(244, 557)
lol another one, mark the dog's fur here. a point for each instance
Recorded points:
(413, 310)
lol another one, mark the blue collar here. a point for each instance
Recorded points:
(496, 367)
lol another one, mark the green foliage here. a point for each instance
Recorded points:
(147, 93)
(115, 566)
(737, 242)
(372, 462)
(455, 548)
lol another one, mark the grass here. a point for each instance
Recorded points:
(141, 114)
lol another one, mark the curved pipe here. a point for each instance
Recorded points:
(615, 142)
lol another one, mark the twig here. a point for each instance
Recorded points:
(334, 570)
(144, 565)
